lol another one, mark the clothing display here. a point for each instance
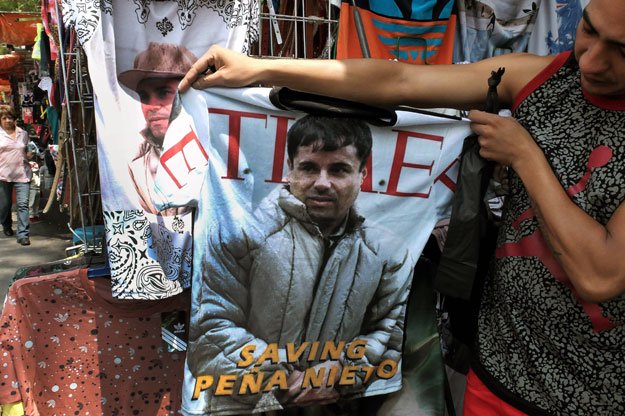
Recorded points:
(551, 336)
(555, 25)
(247, 248)
(140, 169)
(149, 251)
(68, 347)
(496, 27)
(490, 28)
(371, 280)
(50, 22)
(407, 30)
(34, 191)
(233, 279)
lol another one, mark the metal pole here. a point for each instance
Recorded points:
(360, 31)
(62, 53)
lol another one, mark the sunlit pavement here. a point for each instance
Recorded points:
(48, 240)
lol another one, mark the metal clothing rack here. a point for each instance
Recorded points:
(79, 145)
(296, 29)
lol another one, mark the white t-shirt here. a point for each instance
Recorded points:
(150, 254)
(234, 143)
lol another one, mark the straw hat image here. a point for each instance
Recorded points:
(159, 60)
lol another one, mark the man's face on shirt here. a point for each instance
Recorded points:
(157, 96)
(327, 182)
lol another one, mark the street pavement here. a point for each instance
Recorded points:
(48, 240)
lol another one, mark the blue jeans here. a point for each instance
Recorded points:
(22, 190)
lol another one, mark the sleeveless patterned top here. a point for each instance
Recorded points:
(540, 347)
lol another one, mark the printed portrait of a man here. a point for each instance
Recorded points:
(307, 292)
(154, 77)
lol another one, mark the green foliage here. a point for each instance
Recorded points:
(20, 5)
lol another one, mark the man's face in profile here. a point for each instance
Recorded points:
(157, 96)
(327, 182)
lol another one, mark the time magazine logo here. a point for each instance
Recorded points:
(189, 154)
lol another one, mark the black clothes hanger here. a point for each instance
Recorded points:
(321, 105)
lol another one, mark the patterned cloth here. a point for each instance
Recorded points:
(540, 346)
(496, 27)
(67, 347)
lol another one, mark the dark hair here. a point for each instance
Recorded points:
(7, 110)
(329, 134)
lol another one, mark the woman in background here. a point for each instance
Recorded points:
(15, 173)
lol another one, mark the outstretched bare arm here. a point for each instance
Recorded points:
(373, 81)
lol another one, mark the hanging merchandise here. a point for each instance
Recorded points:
(136, 57)
(46, 85)
(54, 151)
(298, 29)
(18, 29)
(27, 115)
(50, 23)
(58, 158)
(408, 30)
(68, 347)
(491, 28)
(555, 27)
(41, 51)
(339, 290)
(36, 54)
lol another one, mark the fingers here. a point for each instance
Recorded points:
(475, 113)
(480, 121)
(478, 116)
(191, 77)
(221, 67)
(488, 124)
(199, 72)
